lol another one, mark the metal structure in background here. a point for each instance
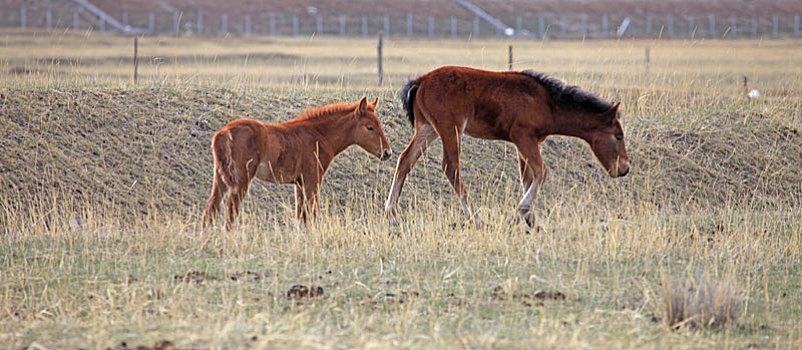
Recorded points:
(84, 16)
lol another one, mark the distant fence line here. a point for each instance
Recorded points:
(543, 27)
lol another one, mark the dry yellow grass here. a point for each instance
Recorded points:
(102, 184)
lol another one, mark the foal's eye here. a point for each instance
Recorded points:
(619, 137)
(370, 128)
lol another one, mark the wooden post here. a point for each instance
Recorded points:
(49, 18)
(200, 23)
(776, 32)
(648, 60)
(670, 25)
(381, 73)
(605, 28)
(272, 24)
(152, 23)
(712, 19)
(364, 26)
(224, 24)
(176, 23)
(510, 60)
(136, 61)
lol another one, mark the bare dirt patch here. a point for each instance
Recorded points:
(300, 291)
(527, 299)
(193, 277)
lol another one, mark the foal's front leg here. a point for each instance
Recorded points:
(306, 201)
(533, 174)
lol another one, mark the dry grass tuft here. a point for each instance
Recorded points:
(702, 302)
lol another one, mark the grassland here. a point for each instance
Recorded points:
(102, 184)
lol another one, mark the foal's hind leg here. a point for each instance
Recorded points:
(424, 135)
(451, 167)
(219, 189)
(246, 173)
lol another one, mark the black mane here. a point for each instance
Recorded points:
(569, 95)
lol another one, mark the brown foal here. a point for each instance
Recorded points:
(519, 107)
(295, 152)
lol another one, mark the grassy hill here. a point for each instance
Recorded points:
(102, 183)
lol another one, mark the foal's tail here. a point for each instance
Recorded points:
(408, 99)
(221, 148)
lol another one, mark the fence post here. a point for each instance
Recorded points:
(453, 27)
(431, 26)
(76, 20)
(734, 26)
(125, 18)
(671, 25)
(342, 25)
(23, 20)
(409, 25)
(49, 18)
(510, 58)
(712, 19)
(604, 25)
(541, 26)
(754, 26)
(364, 26)
(224, 24)
(648, 25)
(176, 22)
(295, 25)
(562, 25)
(272, 24)
(647, 60)
(200, 22)
(136, 60)
(152, 23)
(796, 25)
(776, 21)
(379, 57)
(475, 27)
(387, 25)
(584, 20)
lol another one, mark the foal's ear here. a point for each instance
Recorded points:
(375, 103)
(612, 113)
(363, 106)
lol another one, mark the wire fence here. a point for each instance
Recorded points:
(568, 26)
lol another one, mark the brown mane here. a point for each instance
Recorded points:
(323, 111)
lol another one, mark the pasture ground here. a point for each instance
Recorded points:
(102, 184)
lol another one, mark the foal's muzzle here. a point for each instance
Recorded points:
(386, 154)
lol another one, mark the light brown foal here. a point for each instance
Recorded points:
(295, 152)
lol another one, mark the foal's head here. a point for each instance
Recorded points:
(607, 142)
(368, 133)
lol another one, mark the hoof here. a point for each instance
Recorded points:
(527, 216)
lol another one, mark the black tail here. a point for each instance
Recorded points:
(408, 99)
